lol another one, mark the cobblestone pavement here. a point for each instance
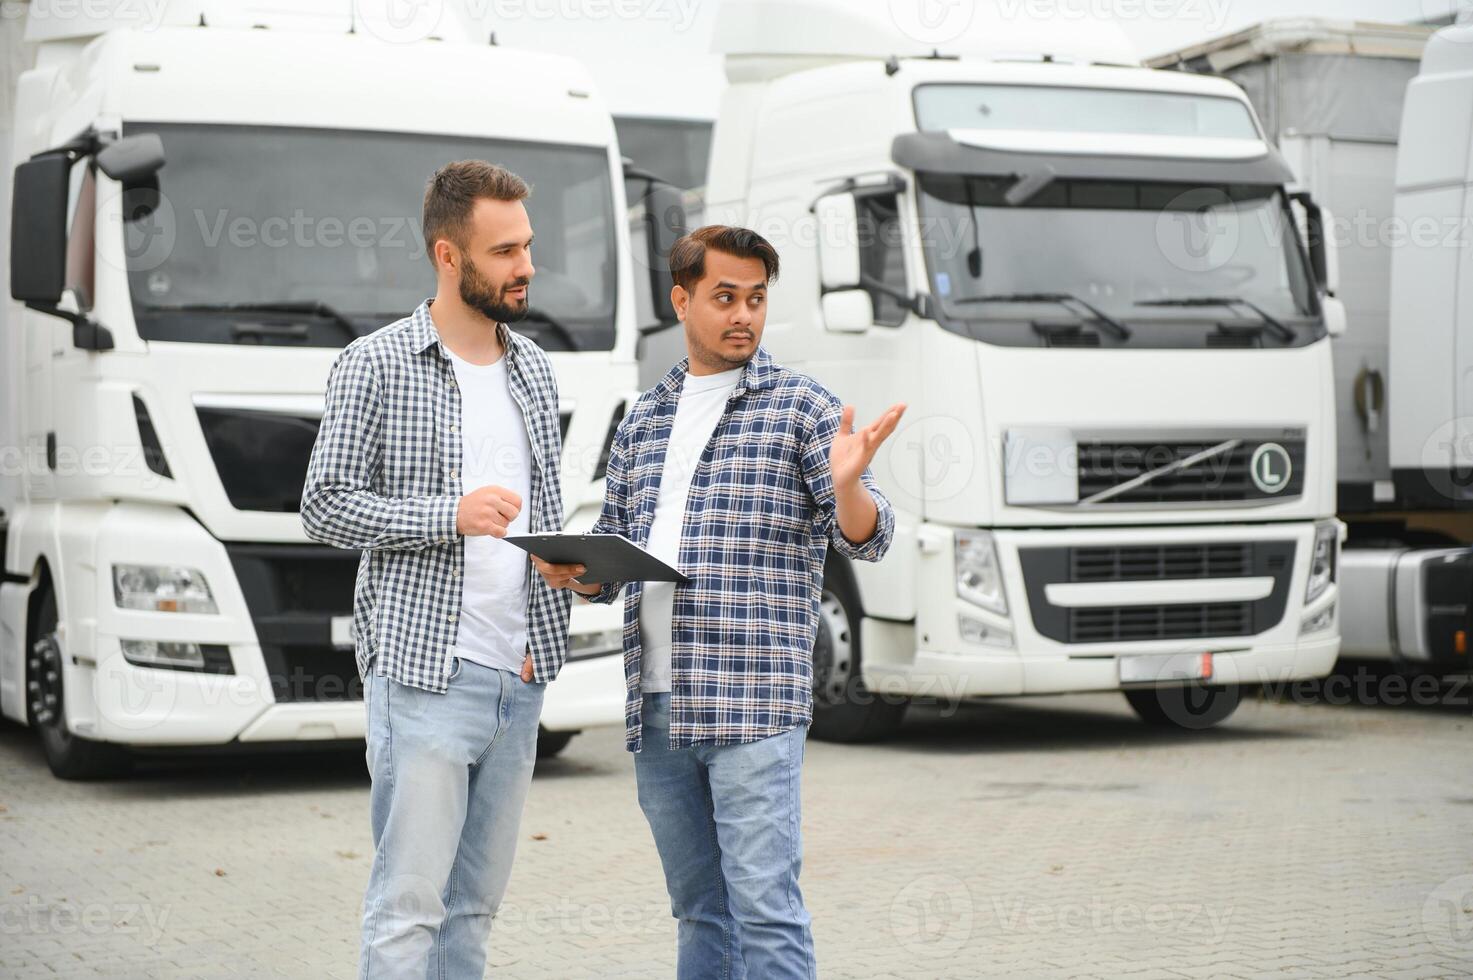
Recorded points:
(1020, 838)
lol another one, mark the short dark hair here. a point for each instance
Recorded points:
(453, 191)
(688, 255)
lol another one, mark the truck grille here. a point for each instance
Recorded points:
(1144, 563)
(1176, 621)
(1225, 477)
(1137, 562)
(293, 591)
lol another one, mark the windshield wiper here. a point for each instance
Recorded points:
(315, 308)
(555, 325)
(1269, 320)
(1063, 299)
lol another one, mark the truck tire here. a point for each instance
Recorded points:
(550, 744)
(69, 755)
(1187, 707)
(843, 709)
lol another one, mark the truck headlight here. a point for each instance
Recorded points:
(210, 658)
(978, 572)
(162, 588)
(1322, 565)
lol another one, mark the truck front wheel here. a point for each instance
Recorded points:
(70, 756)
(844, 710)
(1189, 706)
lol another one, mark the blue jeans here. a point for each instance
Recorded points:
(726, 824)
(450, 775)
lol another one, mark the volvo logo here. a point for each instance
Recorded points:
(1270, 467)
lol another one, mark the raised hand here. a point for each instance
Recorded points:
(852, 451)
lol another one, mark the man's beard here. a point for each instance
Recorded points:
(715, 359)
(477, 292)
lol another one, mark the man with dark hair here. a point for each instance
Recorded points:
(740, 473)
(439, 437)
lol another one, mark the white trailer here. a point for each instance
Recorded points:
(212, 199)
(1084, 277)
(1333, 95)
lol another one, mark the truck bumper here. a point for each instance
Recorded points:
(1079, 600)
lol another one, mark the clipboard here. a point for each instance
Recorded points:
(608, 557)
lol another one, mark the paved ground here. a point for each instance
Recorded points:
(1045, 838)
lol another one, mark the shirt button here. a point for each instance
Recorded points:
(453, 474)
(450, 618)
(454, 427)
(455, 573)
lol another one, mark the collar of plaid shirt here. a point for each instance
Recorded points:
(760, 372)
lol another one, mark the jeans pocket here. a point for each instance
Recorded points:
(455, 663)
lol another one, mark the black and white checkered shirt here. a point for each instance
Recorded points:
(385, 478)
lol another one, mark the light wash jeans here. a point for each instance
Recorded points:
(450, 775)
(726, 823)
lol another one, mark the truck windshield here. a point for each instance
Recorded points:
(1128, 248)
(272, 235)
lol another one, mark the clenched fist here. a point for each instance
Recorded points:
(488, 510)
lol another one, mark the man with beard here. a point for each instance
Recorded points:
(742, 474)
(439, 437)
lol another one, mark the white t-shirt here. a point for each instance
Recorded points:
(702, 401)
(495, 451)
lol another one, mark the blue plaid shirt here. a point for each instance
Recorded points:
(385, 478)
(758, 524)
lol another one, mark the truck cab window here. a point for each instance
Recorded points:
(880, 257)
(80, 263)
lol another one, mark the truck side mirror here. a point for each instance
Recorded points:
(848, 311)
(132, 159)
(1324, 258)
(847, 307)
(38, 230)
(664, 223)
(1335, 318)
(838, 241)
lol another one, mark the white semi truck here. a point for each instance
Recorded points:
(210, 200)
(1374, 119)
(1117, 471)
